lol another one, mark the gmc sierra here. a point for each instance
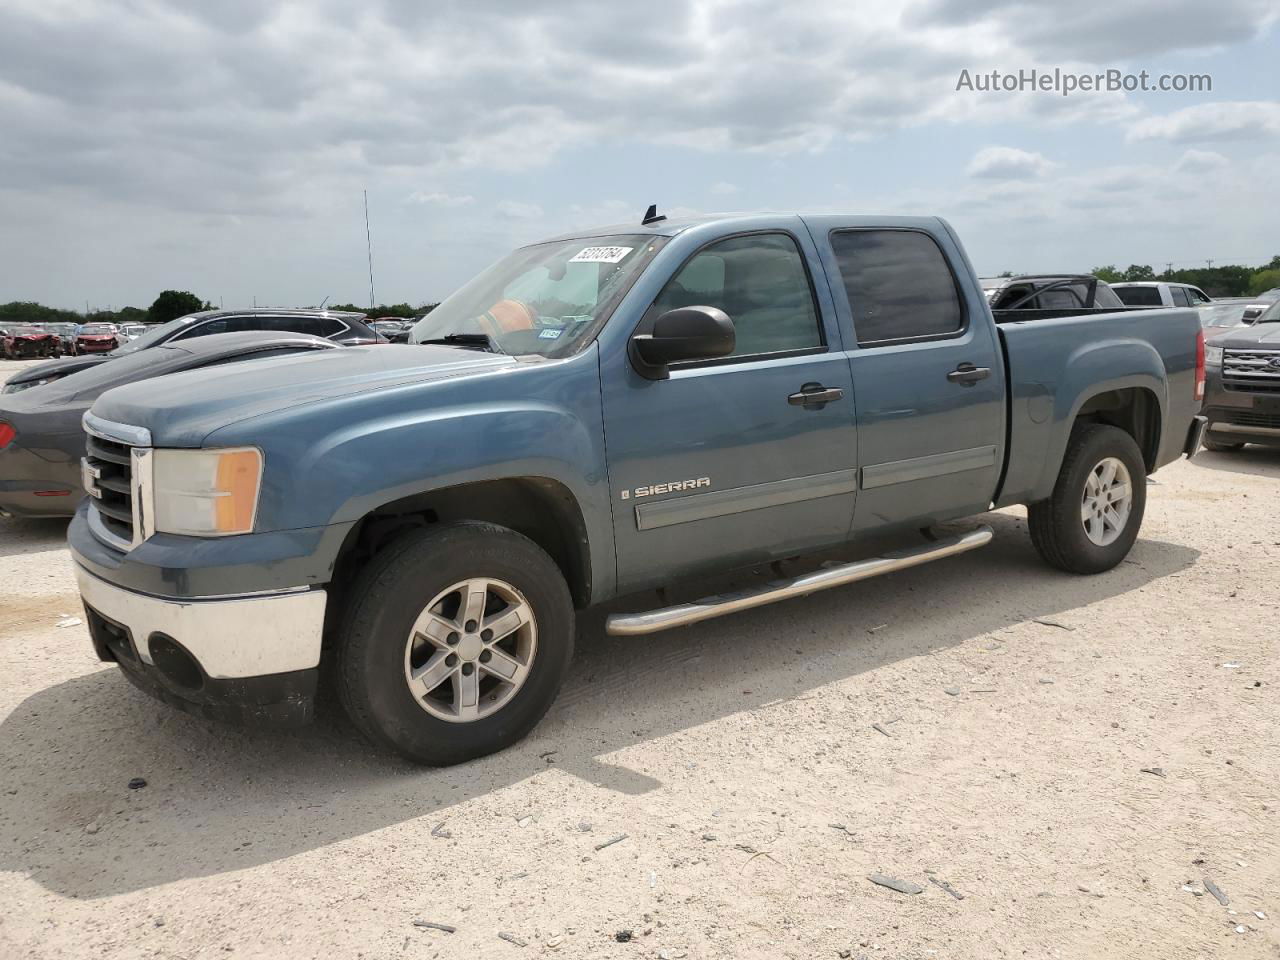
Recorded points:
(593, 416)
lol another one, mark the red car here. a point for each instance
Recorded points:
(30, 341)
(95, 338)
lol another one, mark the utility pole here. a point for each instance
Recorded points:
(1210, 263)
(1168, 268)
(368, 240)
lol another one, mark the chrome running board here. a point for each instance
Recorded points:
(635, 624)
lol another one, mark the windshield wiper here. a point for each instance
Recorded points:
(468, 341)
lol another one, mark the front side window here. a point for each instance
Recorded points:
(761, 282)
(548, 299)
(1180, 296)
(899, 285)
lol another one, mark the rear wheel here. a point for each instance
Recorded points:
(1091, 520)
(455, 642)
(1217, 446)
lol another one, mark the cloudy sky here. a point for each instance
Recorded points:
(223, 145)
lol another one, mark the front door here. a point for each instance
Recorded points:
(732, 461)
(927, 374)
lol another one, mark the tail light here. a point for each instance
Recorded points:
(7, 433)
(1199, 395)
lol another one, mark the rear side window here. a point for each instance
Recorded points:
(761, 282)
(899, 285)
(1138, 296)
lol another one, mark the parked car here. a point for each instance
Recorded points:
(344, 329)
(27, 340)
(1258, 305)
(132, 331)
(41, 438)
(66, 334)
(1242, 398)
(393, 329)
(95, 338)
(1158, 293)
(1222, 315)
(770, 386)
(1049, 292)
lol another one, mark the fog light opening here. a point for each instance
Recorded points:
(175, 662)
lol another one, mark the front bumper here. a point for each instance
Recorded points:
(249, 659)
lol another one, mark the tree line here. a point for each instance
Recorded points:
(1228, 280)
(169, 305)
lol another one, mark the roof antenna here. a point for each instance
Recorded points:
(651, 215)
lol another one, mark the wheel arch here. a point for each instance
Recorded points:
(540, 508)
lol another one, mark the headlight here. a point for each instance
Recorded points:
(19, 387)
(206, 493)
(1213, 356)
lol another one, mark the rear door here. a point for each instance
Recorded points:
(927, 371)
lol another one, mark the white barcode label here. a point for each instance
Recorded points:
(601, 255)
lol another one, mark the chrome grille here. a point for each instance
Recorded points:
(117, 474)
(1255, 371)
(109, 480)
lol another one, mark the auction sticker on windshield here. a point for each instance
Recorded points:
(600, 255)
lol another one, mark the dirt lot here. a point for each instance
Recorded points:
(1017, 708)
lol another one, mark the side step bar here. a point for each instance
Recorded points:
(636, 624)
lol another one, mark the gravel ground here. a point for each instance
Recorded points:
(1017, 708)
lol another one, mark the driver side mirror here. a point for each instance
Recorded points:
(686, 333)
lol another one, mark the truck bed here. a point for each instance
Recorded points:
(1054, 363)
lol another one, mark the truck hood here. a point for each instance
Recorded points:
(182, 409)
(1261, 335)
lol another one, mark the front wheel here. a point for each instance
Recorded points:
(455, 642)
(1091, 520)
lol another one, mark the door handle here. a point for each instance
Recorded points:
(815, 395)
(967, 374)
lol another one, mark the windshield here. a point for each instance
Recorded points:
(153, 336)
(548, 299)
(93, 329)
(1271, 314)
(25, 330)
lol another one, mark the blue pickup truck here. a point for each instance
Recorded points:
(592, 417)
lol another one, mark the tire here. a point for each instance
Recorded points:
(381, 642)
(1060, 532)
(1217, 446)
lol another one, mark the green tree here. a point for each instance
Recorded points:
(1139, 271)
(1107, 274)
(1264, 280)
(172, 304)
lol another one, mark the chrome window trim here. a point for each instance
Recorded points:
(115, 432)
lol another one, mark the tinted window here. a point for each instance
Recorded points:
(761, 283)
(1180, 296)
(1104, 296)
(1059, 297)
(1197, 295)
(898, 283)
(1138, 296)
(205, 329)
